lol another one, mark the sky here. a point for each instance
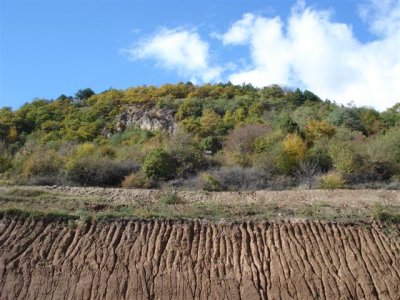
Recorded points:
(347, 51)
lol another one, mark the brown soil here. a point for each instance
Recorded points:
(128, 259)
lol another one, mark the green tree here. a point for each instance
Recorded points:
(211, 123)
(344, 157)
(189, 108)
(159, 164)
(84, 94)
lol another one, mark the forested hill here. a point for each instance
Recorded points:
(213, 137)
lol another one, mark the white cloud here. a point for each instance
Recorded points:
(308, 50)
(178, 50)
(382, 15)
(311, 51)
(239, 33)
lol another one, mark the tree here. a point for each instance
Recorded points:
(309, 96)
(306, 171)
(84, 94)
(347, 117)
(295, 147)
(294, 151)
(211, 123)
(159, 164)
(287, 124)
(241, 139)
(344, 158)
(211, 144)
(318, 129)
(189, 108)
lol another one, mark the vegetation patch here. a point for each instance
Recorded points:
(32, 203)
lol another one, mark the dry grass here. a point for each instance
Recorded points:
(35, 202)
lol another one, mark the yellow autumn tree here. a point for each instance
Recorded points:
(295, 147)
(317, 129)
(294, 151)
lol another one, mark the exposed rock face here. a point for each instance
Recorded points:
(137, 259)
(148, 118)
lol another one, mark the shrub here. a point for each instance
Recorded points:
(5, 157)
(42, 163)
(107, 151)
(85, 149)
(242, 139)
(383, 213)
(211, 143)
(91, 171)
(188, 161)
(372, 172)
(46, 180)
(138, 180)
(170, 198)
(237, 178)
(209, 183)
(159, 164)
(344, 158)
(332, 180)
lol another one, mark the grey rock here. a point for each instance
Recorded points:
(145, 117)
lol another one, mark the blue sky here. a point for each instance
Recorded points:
(344, 50)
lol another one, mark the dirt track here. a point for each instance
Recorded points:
(185, 260)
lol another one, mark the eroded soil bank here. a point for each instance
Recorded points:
(148, 259)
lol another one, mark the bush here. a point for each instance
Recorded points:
(211, 144)
(46, 180)
(170, 198)
(332, 180)
(159, 164)
(209, 183)
(372, 172)
(91, 171)
(241, 139)
(42, 163)
(345, 158)
(237, 178)
(5, 157)
(188, 161)
(383, 213)
(138, 180)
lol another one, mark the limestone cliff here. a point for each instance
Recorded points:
(144, 117)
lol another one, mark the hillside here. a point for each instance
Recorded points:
(211, 137)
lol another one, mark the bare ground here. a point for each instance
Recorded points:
(58, 253)
(140, 259)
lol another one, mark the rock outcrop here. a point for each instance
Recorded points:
(147, 118)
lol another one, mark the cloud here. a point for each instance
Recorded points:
(178, 50)
(240, 32)
(311, 51)
(383, 16)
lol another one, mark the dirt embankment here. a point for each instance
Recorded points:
(338, 197)
(43, 259)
